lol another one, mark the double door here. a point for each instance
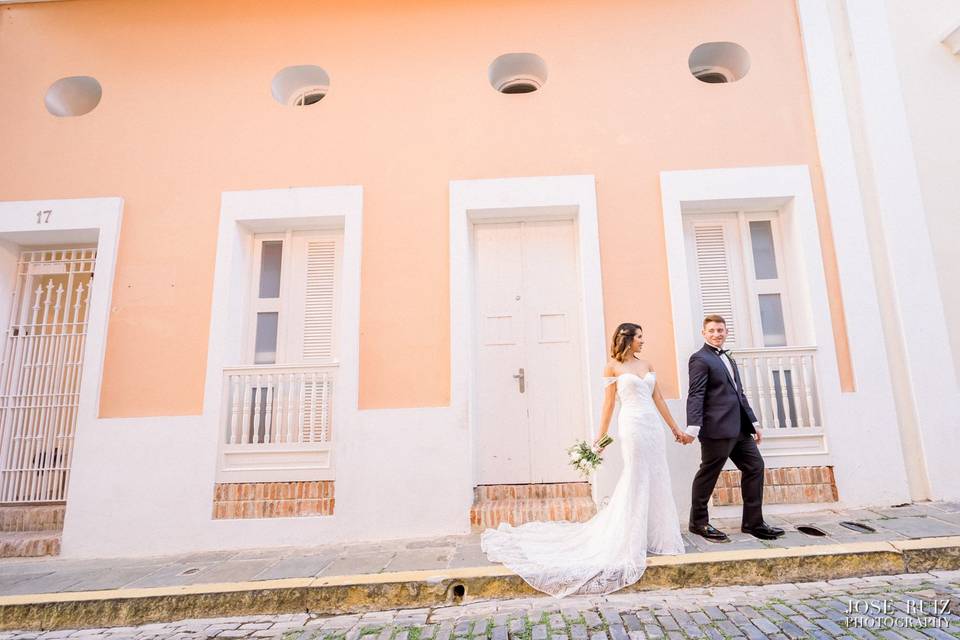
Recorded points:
(529, 383)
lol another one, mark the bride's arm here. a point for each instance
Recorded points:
(609, 401)
(661, 405)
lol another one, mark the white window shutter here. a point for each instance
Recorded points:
(713, 272)
(318, 320)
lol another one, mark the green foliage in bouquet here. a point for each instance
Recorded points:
(585, 458)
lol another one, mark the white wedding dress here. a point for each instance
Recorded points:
(609, 551)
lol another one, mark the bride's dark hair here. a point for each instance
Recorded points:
(622, 339)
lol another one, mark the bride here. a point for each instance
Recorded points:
(609, 551)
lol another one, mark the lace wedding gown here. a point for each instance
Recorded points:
(609, 551)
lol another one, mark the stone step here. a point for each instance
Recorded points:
(29, 544)
(516, 504)
(32, 517)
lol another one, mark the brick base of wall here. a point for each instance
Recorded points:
(273, 499)
(519, 503)
(785, 485)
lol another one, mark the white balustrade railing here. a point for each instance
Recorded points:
(270, 406)
(781, 385)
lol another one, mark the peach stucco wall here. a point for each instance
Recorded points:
(187, 113)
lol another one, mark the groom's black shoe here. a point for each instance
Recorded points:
(763, 531)
(709, 532)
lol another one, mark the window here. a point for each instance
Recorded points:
(294, 298)
(736, 260)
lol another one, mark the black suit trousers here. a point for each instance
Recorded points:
(744, 453)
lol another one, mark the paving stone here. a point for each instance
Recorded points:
(539, 632)
(618, 632)
(653, 632)
(592, 619)
(631, 622)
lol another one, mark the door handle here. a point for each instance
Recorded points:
(520, 378)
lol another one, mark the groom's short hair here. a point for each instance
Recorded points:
(713, 318)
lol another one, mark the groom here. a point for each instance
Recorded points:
(718, 411)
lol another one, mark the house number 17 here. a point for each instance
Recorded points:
(43, 217)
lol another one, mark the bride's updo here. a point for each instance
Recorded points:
(622, 339)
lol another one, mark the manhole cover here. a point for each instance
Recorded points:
(811, 530)
(859, 527)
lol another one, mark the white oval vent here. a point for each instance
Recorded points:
(73, 96)
(518, 73)
(718, 62)
(300, 85)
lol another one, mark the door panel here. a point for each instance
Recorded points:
(528, 317)
(554, 372)
(503, 432)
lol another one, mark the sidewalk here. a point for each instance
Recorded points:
(366, 576)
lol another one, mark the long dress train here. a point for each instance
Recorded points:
(609, 551)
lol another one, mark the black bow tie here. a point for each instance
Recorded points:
(720, 352)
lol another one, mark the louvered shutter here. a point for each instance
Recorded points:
(713, 274)
(320, 299)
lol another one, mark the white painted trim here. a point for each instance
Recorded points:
(244, 213)
(787, 188)
(860, 481)
(529, 198)
(74, 221)
(931, 380)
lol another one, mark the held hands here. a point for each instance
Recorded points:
(682, 437)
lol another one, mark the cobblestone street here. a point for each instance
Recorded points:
(925, 605)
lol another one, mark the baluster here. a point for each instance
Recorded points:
(236, 408)
(325, 408)
(761, 391)
(301, 409)
(267, 392)
(291, 416)
(313, 406)
(245, 418)
(808, 389)
(783, 407)
(795, 392)
(772, 392)
(279, 433)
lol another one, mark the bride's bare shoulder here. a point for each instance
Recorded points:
(612, 368)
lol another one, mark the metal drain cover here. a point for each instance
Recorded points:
(811, 530)
(859, 527)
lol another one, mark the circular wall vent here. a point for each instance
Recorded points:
(719, 62)
(73, 96)
(517, 73)
(300, 85)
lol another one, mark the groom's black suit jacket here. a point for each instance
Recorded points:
(715, 402)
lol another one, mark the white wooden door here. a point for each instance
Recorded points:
(528, 320)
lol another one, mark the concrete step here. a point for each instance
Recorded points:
(516, 504)
(29, 544)
(32, 517)
(480, 585)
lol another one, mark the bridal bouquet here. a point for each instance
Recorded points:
(585, 458)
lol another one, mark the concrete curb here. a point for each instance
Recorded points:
(415, 589)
